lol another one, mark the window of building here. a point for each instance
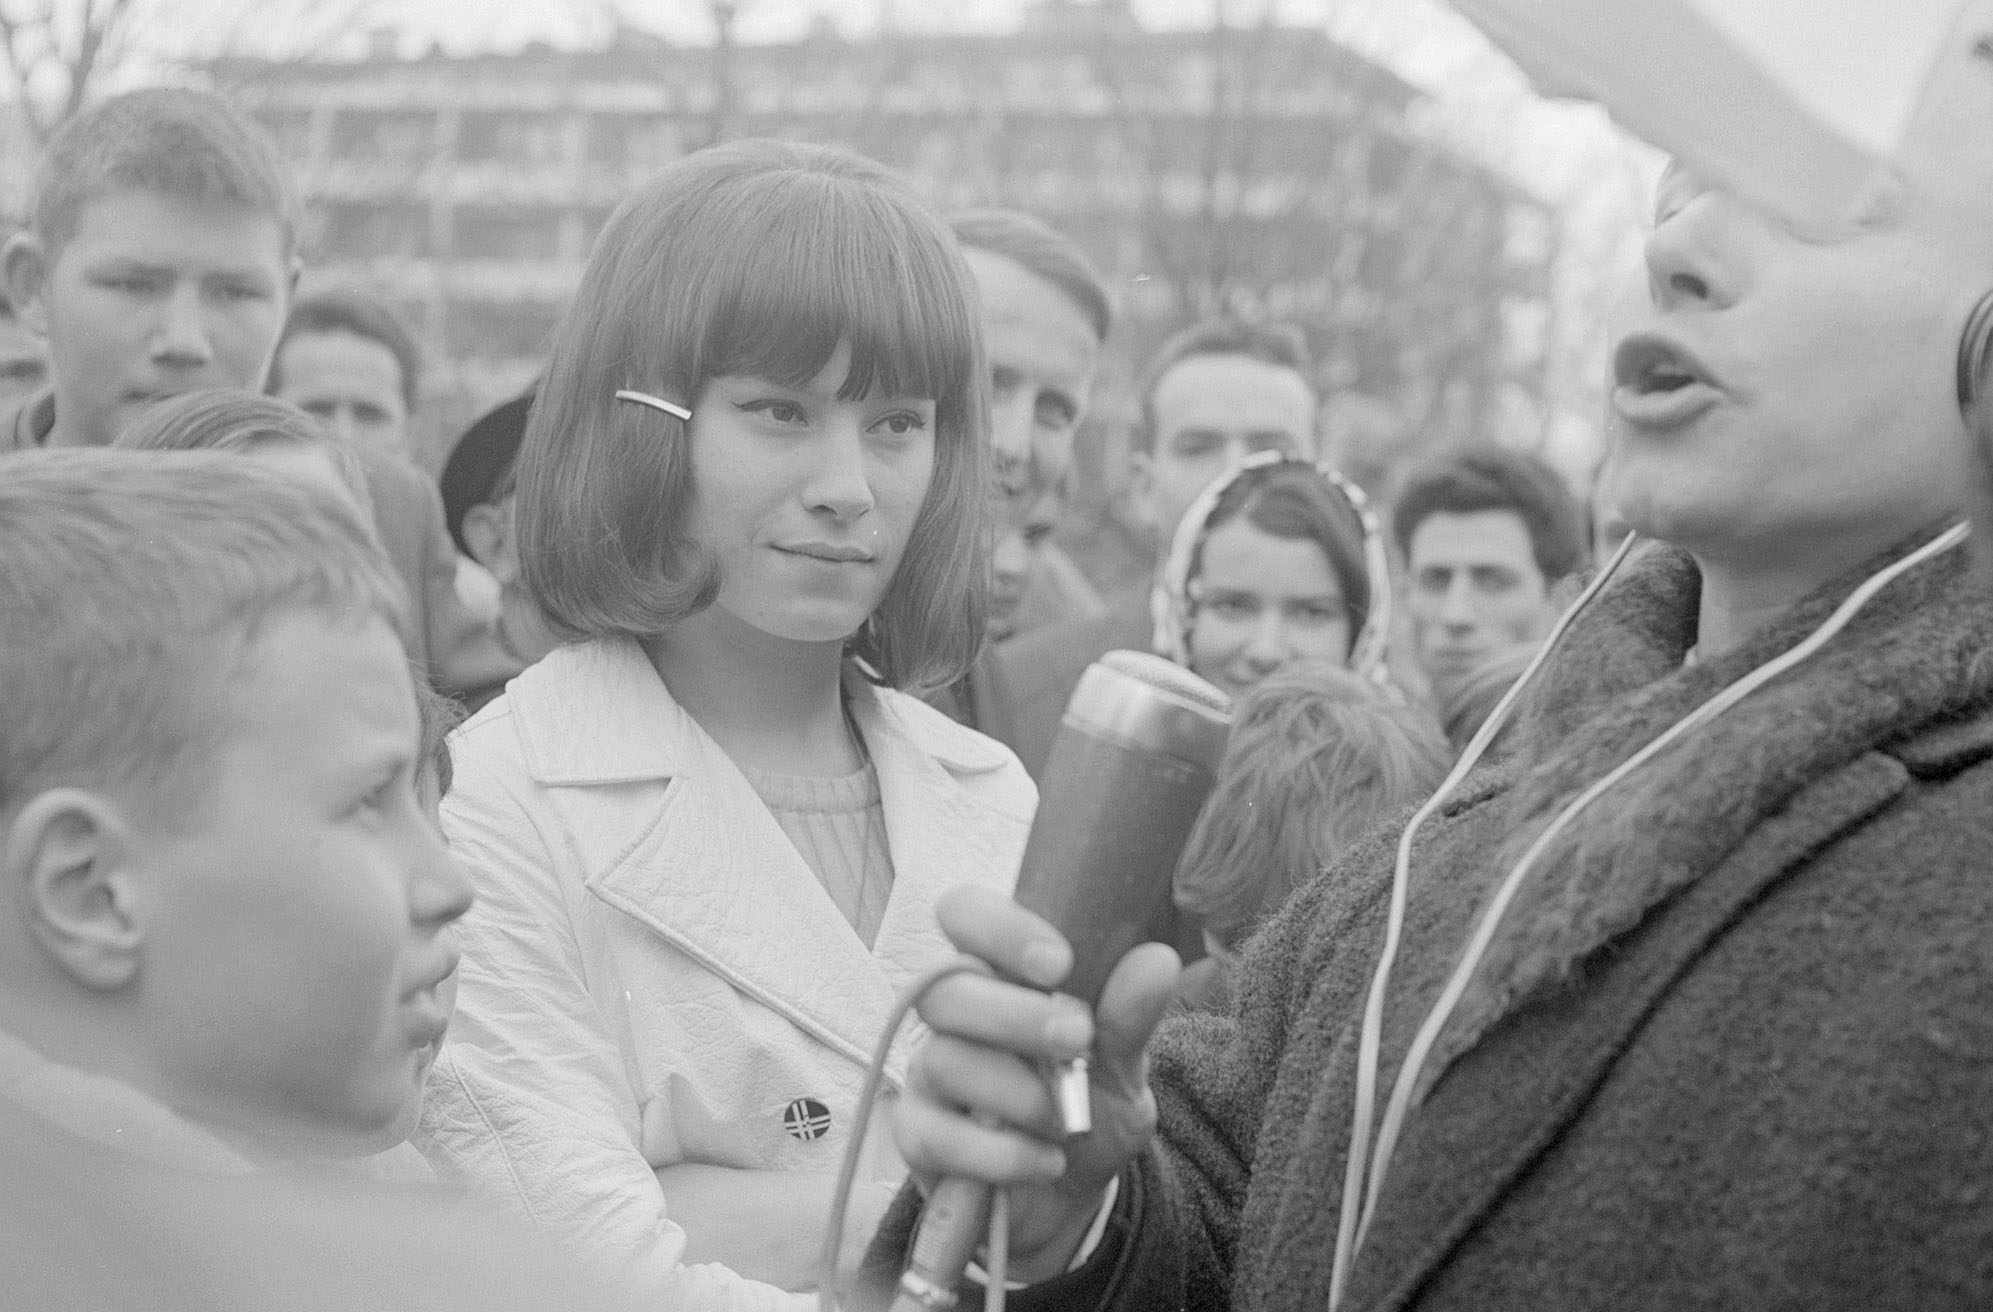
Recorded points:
(363, 230)
(505, 232)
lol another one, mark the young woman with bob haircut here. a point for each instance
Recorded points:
(708, 832)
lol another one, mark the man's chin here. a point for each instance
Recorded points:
(1450, 667)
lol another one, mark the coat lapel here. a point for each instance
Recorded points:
(711, 872)
(1913, 657)
(1655, 876)
(1465, 1151)
(938, 831)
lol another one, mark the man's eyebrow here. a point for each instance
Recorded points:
(1983, 47)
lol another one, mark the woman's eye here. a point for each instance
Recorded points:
(1315, 614)
(1232, 607)
(902, 423)
(781, 412)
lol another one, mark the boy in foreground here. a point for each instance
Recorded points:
(225, 942)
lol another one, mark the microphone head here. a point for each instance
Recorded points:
(1161, 672)
(1150, 703)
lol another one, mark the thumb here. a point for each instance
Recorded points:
(1136, 996)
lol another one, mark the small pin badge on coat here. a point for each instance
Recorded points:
(806, 1119)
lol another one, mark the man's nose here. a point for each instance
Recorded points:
(1010, 428)
(1457, 606)
(344, 426)
(181, 335)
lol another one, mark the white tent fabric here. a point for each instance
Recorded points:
(1794, 103)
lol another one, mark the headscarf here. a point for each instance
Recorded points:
(1170, 604)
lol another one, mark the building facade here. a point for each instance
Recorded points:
(1265, 170)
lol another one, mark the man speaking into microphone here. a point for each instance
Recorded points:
(1688, 1005)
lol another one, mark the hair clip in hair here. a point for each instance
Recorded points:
(654, 402)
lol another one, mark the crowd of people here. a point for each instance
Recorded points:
(489, 890)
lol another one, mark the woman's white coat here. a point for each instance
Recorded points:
(653, 975)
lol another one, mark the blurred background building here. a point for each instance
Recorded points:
(1263, 169)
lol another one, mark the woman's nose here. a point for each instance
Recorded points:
(840, 483)
(1267, 644)
(1686, 267)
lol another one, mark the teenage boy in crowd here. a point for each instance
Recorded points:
(1215, 393)
(1487, 536)
(161, 260)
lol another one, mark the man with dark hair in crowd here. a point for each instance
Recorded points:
(347, 360)
(1214, 394)
(1487, 535)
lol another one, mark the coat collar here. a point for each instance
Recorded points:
(595, 713)
(1912, 663)
(709, 869)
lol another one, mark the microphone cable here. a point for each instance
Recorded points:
(998, 1235)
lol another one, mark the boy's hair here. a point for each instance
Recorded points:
(438, 716)
(229, 419)
(1279, 344)
(1045, 252)
(1493, 478)
(346, 310)
(133, 583)
(190, 145)
(1317, 756)
(755, 258)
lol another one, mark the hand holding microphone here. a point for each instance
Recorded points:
(1133, 761)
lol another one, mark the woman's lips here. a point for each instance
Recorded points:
(1661, 410)
(1660, 383)
(833, 553)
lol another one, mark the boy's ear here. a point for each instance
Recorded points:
(67, 859)
(24, 269)
(488, 534)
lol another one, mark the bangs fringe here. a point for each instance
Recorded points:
(851, 270)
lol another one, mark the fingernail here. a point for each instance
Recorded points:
(1072, 1030)
(1050, 1165)
(1047, 961)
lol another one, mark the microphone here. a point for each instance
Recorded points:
(1136, 755)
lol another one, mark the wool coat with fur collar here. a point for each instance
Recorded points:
(1732, 1046)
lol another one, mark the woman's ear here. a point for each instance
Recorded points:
(68, 862)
